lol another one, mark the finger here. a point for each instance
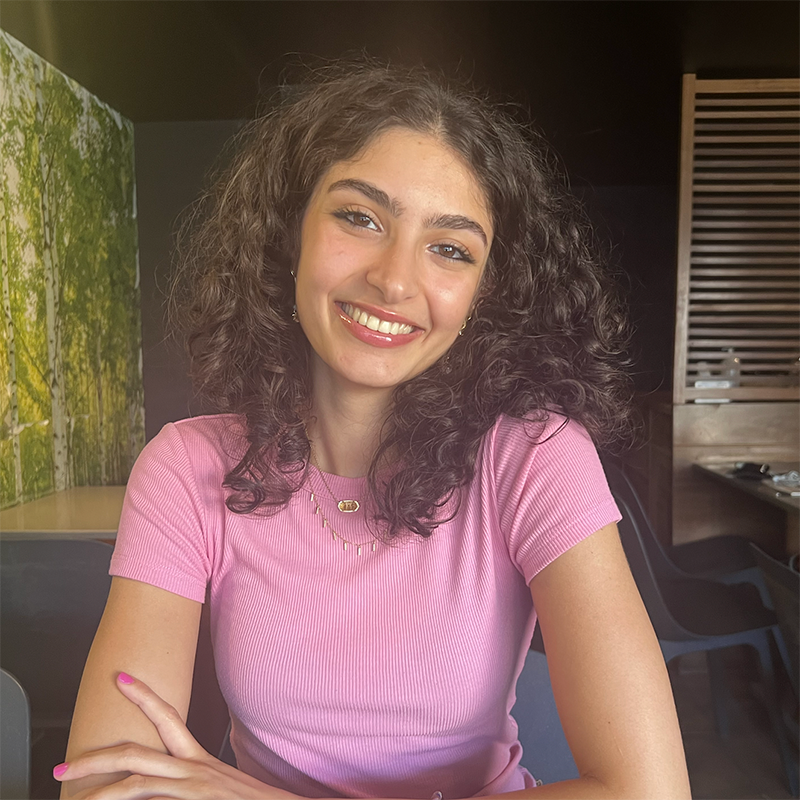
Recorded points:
(171, 728)
(127, 757)
(141, 787)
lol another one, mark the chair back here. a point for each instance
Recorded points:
(15, 740)
(545, 752)
(644, 573)
(783, 585)
(623, 488)
(52, 595)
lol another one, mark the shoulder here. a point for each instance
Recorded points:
(550, 487)
(197, 451)
(515, 442)
(547, 464)
(196, 440)
(219, 435)
(174, 510)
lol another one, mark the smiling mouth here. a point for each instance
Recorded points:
(375, 323)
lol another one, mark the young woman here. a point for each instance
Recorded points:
(393, 303)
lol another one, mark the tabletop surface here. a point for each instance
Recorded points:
(763, 489)
(91, 511)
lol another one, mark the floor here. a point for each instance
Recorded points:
(747, 765)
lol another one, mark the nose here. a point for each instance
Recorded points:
(395, 272)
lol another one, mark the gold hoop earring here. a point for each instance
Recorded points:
(464, 325)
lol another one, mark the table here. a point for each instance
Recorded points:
(763, 490)
(90, 512)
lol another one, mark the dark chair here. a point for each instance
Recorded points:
(783, 584)
(208, 718)
(545, 752)
(694, 614)
(728, 559)
(52, 595)
(15, 740)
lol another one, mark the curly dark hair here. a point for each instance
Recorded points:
(548, 333)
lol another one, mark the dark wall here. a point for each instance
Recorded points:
(172, 161)
(600, 79)
(639, 226)
(636, 223)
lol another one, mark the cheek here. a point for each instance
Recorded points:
(325, 260)
(451, 304)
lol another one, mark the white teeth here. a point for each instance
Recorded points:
(374, 323)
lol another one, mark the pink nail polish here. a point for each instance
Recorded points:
(60, 770)
(123, 677)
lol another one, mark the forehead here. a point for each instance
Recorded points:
(411, 165)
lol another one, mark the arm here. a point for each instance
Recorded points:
(608, 675)
(133, 734)
(150, 633)
(609, 678)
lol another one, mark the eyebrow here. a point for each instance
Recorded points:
(457, 222)
(395, 208)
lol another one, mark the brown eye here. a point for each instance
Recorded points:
(452, 252)
(358, 219)
(362, 220)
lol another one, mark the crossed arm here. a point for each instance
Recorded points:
(608, 675)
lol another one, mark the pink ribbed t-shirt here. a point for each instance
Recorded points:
(386, 674)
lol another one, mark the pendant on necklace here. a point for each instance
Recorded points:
(348, 506)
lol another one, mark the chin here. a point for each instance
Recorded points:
(376, 379)
(376, 382)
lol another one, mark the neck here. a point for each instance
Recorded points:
(344, 428)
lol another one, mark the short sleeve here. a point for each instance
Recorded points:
(551, 488)
(162, 538)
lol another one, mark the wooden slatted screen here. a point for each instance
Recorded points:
(738, 240)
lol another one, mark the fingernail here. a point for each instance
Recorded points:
(60, 770)
(123, 677)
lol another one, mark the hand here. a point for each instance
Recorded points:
(188, 772)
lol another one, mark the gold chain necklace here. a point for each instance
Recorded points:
(346, 506)
(336, 535)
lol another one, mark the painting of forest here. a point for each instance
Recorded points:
(71, 402)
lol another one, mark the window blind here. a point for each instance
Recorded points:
(737, 331)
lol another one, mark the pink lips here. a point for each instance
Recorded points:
(376, 338)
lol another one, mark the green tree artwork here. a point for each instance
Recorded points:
(71, 402)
